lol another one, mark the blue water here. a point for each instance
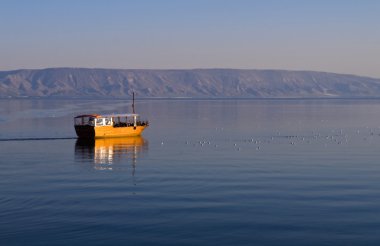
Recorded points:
(206, 172)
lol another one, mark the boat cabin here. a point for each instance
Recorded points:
(115, 120)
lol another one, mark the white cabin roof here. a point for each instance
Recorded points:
(119, 115)
(107, 115)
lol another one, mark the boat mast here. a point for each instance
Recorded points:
(133, 102)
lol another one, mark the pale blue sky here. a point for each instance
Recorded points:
(340, 36)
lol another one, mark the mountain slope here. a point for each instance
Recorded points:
(83, 82)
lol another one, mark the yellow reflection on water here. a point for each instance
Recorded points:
(105, 153)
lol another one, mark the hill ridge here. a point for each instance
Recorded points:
(196, 83)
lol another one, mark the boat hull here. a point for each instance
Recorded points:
(108, 131)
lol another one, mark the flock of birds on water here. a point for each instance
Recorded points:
(326, 139)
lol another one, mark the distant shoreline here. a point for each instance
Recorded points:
(193, 99)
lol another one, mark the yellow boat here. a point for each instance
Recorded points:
(116, 125)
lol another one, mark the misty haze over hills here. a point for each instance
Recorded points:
(196, 83)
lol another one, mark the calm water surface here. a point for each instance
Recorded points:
(206, 172)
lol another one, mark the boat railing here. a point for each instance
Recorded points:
(142, 123)
(126, 124)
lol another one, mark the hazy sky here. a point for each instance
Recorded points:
(340, 36)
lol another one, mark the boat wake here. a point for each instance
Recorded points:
(34, 139)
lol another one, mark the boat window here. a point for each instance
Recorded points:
(84, 121)
(107, 121)
(91, 121)
(78, 121)
(99, 121)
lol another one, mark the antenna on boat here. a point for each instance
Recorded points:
(133, 102)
